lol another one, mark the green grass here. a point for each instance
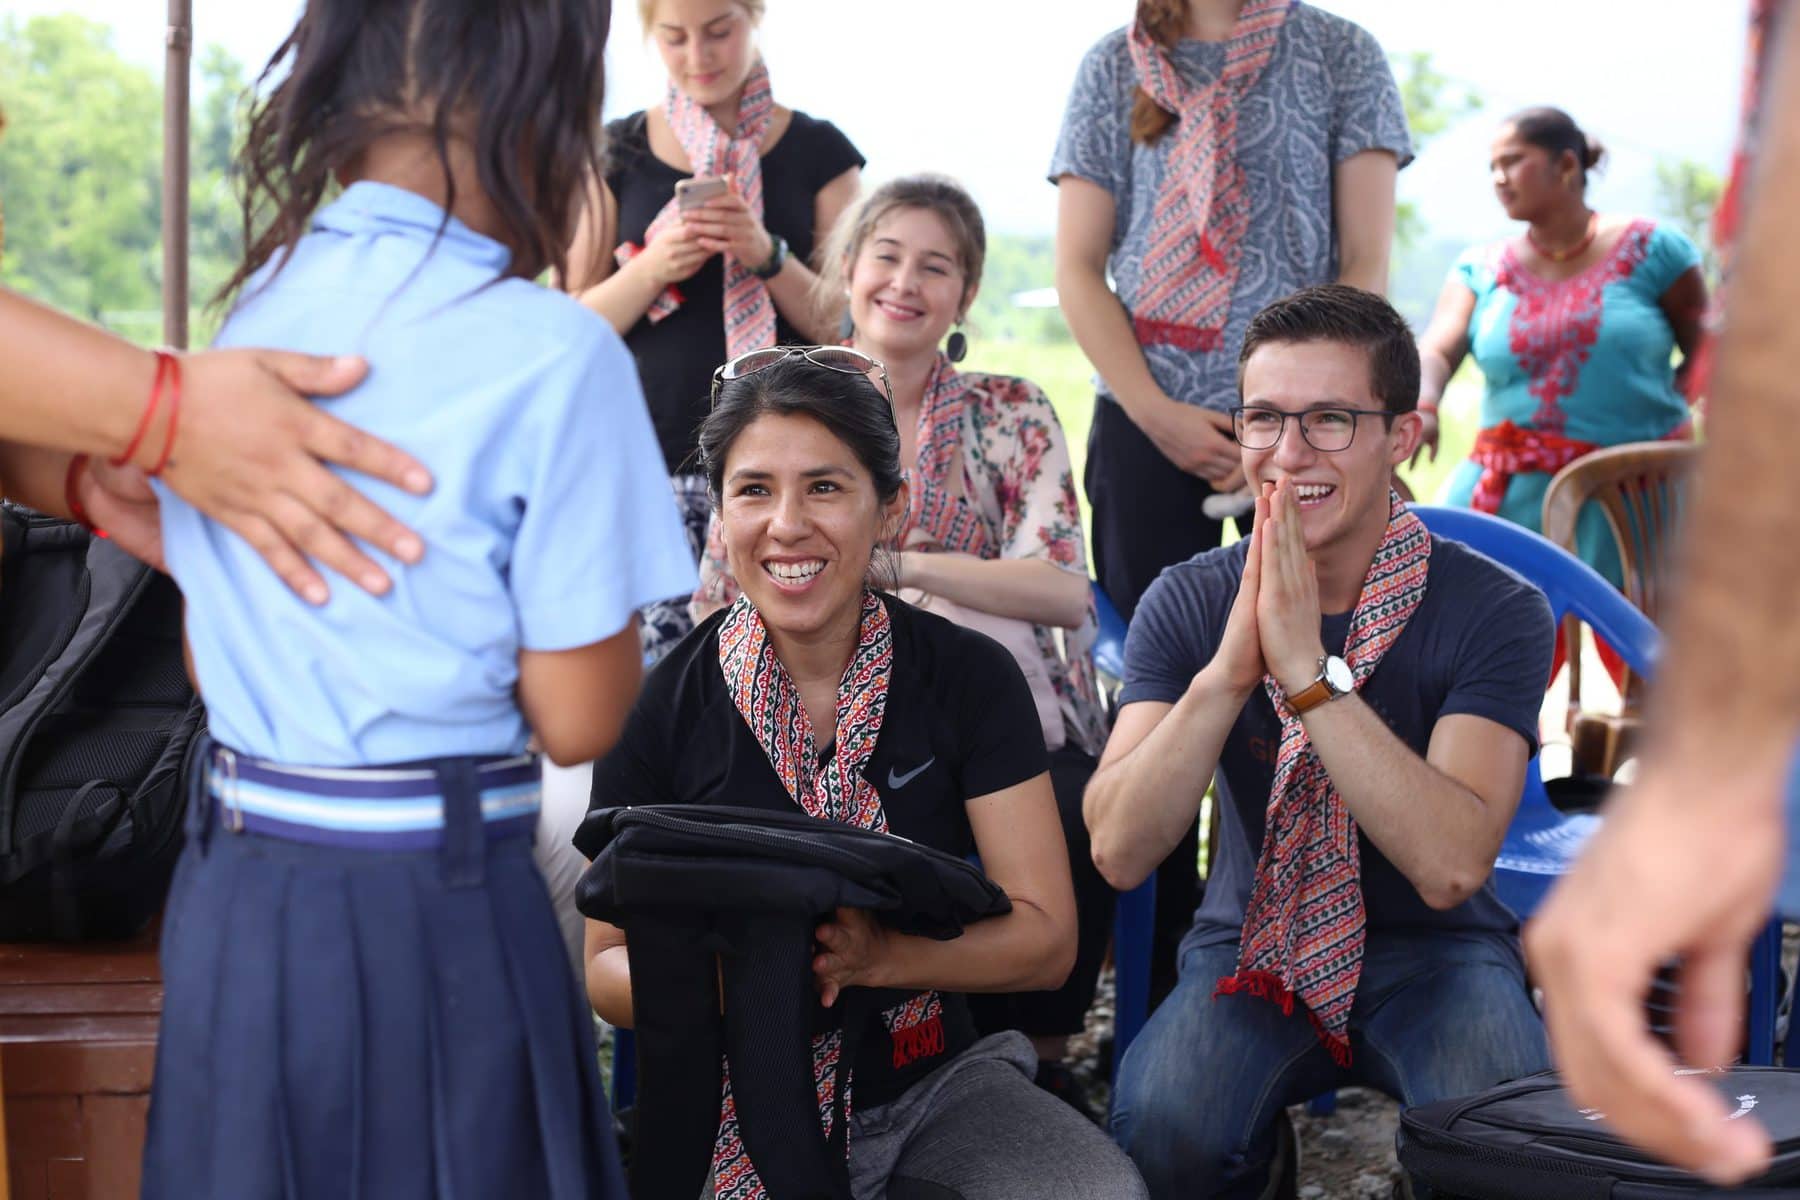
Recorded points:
(1063, 372)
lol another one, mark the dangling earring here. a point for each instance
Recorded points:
(846, 327)
(956, 346)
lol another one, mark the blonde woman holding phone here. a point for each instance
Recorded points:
(698, 247)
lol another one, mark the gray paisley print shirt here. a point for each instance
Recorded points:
(1328, 94)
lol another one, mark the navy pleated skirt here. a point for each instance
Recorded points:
(363, 1023)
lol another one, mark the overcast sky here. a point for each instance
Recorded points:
(976, 87)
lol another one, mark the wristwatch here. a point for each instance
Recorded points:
(777, 256)
(1334, 680)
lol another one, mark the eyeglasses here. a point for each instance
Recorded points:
(1327, 430)
(832, 358)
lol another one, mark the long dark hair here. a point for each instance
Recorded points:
(847, 404)
(521, 80)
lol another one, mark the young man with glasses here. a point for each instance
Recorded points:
(1365, 697)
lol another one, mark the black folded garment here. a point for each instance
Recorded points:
(712, 894)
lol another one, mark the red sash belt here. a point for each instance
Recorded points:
(1168, 333)
(1505, 450)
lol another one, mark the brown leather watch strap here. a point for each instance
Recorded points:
(1309, 698)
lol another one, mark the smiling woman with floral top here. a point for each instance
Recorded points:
(992, 538)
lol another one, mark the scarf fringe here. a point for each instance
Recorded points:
(1265, 986)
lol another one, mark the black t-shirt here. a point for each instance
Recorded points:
(959, 723)
(1479, 643)
(676, 355)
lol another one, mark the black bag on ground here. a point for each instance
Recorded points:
(712, 894)
(96, 722)
(1527, 1139)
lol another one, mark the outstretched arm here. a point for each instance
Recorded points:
(249, 450)
(1689, 857)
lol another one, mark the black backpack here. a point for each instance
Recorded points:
(97, 721)
(1526, 1138)
(709, 894)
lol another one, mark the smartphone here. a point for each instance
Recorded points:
(694, 193)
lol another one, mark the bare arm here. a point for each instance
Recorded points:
(1362, 202)
(1029, 589)
(575, 700)
(250, 451)
(1085, 213)
(1684, 305)
(623, 294)
(1160, 757)
(1032, 948)
(1441, 350)
(1439, 819)
(1020, 841)
(1152, 777)
(1688, 859)
(1194, 439)
(795, 289)
(1445, 341)
(608, 973)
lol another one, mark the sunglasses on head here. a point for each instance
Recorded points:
(833, 358)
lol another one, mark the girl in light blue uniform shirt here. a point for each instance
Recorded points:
(365, 990)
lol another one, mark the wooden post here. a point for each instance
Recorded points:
(175, 173)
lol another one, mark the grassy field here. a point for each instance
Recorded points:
(1063, 372)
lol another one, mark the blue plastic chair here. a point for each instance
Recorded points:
(1134, 919)
(1541, 842)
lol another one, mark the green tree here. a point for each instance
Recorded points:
(79, 169)
(1687, 193)
(81, 175)
(1434, 102)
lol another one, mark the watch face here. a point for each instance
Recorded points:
(1338, 676)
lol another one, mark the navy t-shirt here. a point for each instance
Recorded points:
(1479, 643)
(959, 723)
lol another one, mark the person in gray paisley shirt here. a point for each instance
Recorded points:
(1286, 127)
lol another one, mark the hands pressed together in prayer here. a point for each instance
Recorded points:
(1273, 628)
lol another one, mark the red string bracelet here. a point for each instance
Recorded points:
(72, 498)
(174, 365)
(164, 361)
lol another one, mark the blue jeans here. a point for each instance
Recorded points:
(1437, 1015)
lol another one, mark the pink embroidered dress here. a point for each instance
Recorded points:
(1585, 360)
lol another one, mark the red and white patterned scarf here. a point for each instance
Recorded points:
(1203, 208)
(768, 700)
(749, 312)
(937, 505)
(1304, 926)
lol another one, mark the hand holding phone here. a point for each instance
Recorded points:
(695, 192)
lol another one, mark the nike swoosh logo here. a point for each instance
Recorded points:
(897, 780)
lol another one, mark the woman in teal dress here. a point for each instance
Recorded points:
(1574, 326)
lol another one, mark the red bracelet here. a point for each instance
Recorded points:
(174, 411)
(164, 361)
(72, 498)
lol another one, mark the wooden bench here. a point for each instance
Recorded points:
(77, 1047)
